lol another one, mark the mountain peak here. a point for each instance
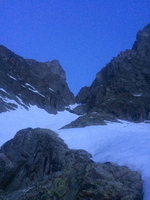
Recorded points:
(29, 82)
(56, 68)
(143, 40)
(122, 88)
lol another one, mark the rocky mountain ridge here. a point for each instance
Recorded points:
(36, 164)
(121, 89)
(25, 82)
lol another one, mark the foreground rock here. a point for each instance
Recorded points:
(36, 164)
(122, 88)
(25, 82)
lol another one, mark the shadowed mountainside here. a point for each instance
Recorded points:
(25, 82)
(121, 89)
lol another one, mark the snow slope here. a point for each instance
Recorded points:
(13, 121)
(123, 143)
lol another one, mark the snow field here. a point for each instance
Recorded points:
(13, 121)
(123, 143)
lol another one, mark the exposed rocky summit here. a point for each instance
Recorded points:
(37, 165)
(122, 88)
(25, 82)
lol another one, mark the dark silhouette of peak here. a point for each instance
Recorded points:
(121, 89)
(143, 39)
(29, 82)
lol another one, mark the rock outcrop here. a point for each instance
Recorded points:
(38, 165)
(25, 82)
(122, 88)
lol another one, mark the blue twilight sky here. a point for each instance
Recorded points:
(84, 35)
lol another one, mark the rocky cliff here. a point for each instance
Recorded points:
(38, 165)
(25, 82)
(121, 89)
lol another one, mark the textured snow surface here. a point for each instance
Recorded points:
(123, 143)
(13, 121)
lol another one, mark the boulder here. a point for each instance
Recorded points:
(37, 164)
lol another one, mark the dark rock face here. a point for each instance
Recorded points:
(28, 82)
(91, 119)
(36, 164)
(122, 88)
(82, 95)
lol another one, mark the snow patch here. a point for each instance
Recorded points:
(27, 84)
(51, 90)
(3, 90)
(137, 95)
(12, 77)
(7, 100)
(31, 88)
(13, 121)
(71, 107)
(35, 91)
